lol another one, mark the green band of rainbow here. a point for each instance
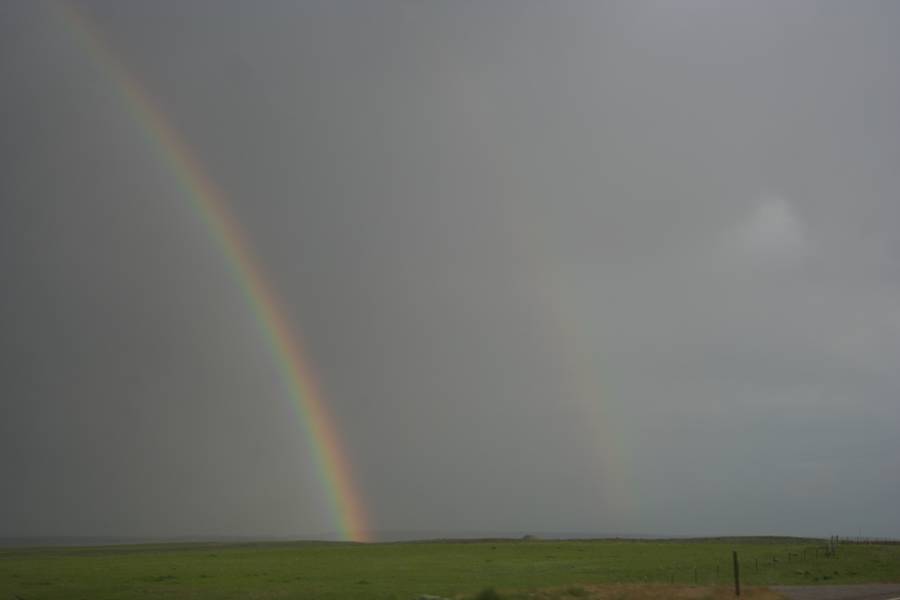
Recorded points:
(208, 202)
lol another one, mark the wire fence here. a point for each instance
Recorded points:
(883, 541)
(809, 561)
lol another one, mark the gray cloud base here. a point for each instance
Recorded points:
(571, 267)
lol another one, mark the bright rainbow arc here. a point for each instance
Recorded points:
(208, 202)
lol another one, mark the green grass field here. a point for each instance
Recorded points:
(406, 570)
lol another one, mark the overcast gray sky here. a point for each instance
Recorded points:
(561, 267)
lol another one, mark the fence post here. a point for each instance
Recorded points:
(737, 573)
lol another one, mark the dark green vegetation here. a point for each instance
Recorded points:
(403, 571)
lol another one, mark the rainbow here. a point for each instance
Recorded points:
(208, 201)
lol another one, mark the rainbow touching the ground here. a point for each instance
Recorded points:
(208, 201)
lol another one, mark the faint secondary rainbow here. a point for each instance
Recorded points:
(208, 202)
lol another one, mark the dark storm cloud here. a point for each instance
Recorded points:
(572, 267)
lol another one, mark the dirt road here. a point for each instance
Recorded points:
(868, 591)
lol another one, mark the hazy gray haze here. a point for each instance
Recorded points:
(560, 266)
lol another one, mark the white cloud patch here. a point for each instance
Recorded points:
(773, 231)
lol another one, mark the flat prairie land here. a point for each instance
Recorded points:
(621, 569)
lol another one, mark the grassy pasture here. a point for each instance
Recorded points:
(453, 569)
